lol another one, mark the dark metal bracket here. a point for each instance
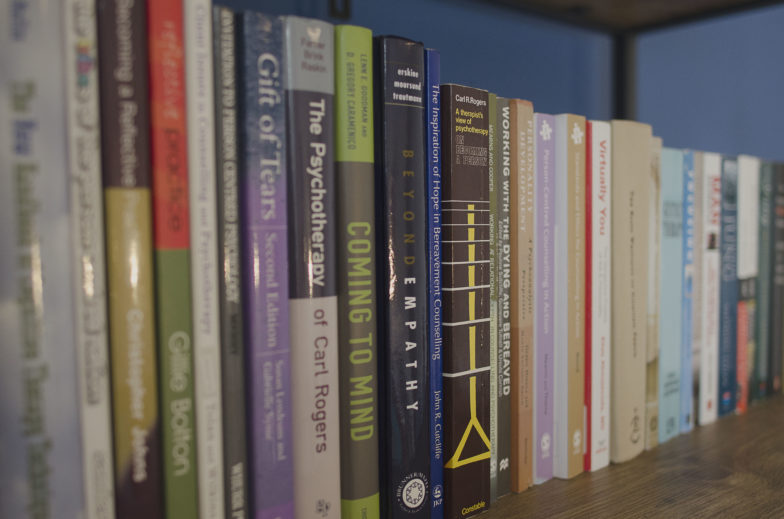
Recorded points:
(340, 9)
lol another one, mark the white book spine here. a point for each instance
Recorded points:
(709, 241)
(40, 434)
(560, 295)
(200, 102)
(89, 265)
(601, 269)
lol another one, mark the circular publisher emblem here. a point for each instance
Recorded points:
(545, 445)
(412, 491)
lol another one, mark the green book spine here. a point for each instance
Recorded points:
(759, 383)
(491, 105)
(356, 262)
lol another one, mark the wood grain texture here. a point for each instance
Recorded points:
(731, 468)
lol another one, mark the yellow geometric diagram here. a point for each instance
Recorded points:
(457, 460)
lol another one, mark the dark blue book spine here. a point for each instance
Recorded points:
(263, 224)
(687, 293)
(777, 288)
(403, 283)
(728, 316)
(433, 150)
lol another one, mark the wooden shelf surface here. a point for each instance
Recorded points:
(731, 468)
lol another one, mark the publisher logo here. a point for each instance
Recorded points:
(544, 443)
(412, 491)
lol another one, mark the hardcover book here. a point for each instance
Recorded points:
(544, 276)
(671, 293)
(169, 162)
(494, 183)
(687, 292)
(631, 165)
(401, 210)
(748, 239)
(711, 288)
(433, 186)
(521, 215)
(309, 81)
(235, 450)
(759, 380)
(125, 149)
(775, 356)
(465, 210)
(598, 263)
(654, 271)
(264, 238)
(569, 296)
(356, 268)
(728, 302)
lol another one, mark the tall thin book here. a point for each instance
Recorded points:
(728, 302)
(654, 271)
(687, 292)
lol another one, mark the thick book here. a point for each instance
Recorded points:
(711, 287)
(230, 280)
(687, 292)
(88, 256)
(465, 211)
(544, 277)
(631, 164)
(403, 273)
(654, 271)
(169, 163)
(42, 452)
(521, 216)
(569, 296)
(356, 270)
(493, 184)
(748, 270)
(759, 379)
(598, 268)
(264, 240)
(202, 187)
(776, 342)
(697, 280)
(309, 81)
(433, 188)
(728, 300)
(125, 151)
(670, 293)
(502, 277)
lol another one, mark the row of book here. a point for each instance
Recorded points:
(263, 266)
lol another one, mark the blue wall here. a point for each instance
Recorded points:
(716, 85)
(558, 67)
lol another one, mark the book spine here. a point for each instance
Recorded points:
(466, 208)
(265, 291)
(434, 246)
(543, 310)
(235, 450)
(631, 151)
(313, 301)
(492, 126)
(711, 287)
(748, 269)
(88, 258)
(598, 298)
(759, 385)
(168, 159)
(42, 473)
(503, 272)
(728, 309)
(654, 271)
(588, 377)
(697, 309)
(777, 297)
(522, 302)
(671, 293)
(200, 103)
(356, 262)
(687, 292)
(125, 149)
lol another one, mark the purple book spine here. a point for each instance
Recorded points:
(543, 278)
(265, 265)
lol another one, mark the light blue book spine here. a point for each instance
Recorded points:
(687, 291)
(670, 318)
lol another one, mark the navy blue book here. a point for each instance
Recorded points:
(403, 278)
(728, 303)
(433, 150)
(777, 288)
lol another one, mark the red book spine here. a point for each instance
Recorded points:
(741, 404)
(588, 282)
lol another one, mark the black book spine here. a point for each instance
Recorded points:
(231, 320)
(777, 292)
(403, 284)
